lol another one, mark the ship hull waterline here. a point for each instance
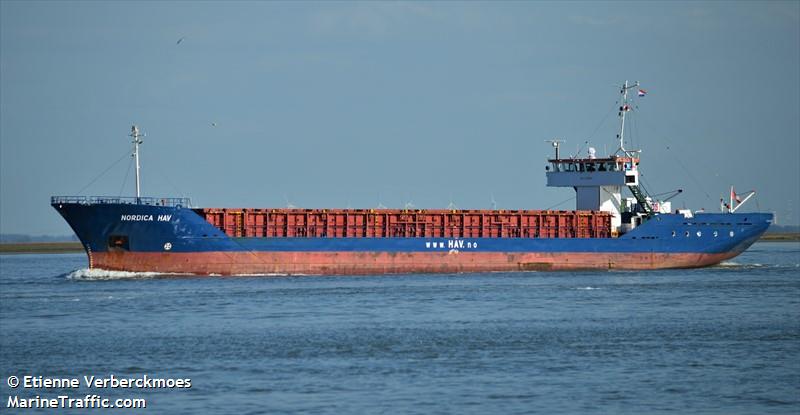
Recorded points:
(359, 263)
(175, 240)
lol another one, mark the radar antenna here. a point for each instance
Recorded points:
(556, 144)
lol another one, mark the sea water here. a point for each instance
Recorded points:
(724, 339)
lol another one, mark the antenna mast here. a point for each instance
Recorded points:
(623, 108)
(556, 144)
(137, 139)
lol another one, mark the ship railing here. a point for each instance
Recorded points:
(117, 200)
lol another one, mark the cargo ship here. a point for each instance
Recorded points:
(605, 231)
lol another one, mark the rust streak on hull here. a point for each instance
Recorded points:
(361, 263)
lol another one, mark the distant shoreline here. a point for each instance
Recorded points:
(74, 247)
(781, 237)
(41, 248)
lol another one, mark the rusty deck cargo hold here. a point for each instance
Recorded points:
(397, 223)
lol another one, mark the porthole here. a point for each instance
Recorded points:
(699, 234)
(731, 234)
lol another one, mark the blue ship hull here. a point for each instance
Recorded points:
(173, 238)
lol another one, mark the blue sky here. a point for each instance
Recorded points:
(338, 104)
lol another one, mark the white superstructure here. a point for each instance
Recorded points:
(598, 182)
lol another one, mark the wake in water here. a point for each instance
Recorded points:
(96, 274)
(731, 264)
(737, 266)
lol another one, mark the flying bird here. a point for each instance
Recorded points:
(213, 124)
(180, 40)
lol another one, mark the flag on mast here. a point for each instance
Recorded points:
(642, 92)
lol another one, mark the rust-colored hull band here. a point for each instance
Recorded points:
(363, 263)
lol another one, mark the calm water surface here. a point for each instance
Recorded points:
(718, 340)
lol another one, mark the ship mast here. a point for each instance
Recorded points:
(623, 108)
(137, 139)
(556, 144)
